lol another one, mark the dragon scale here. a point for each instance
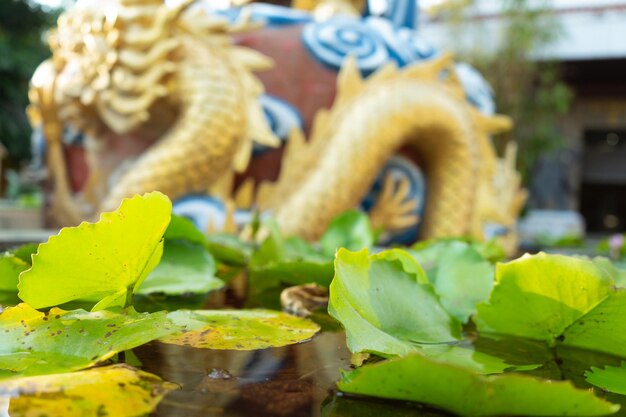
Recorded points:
(191, 156)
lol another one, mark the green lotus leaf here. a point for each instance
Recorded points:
(611, 378)
(238, 329)
(185, 268)
(490, 250)
(350, 230)
(281, 262)
(229, 249)
(25, 252)
(117, 390)
(467, 393)
(10, 268)
(33, 343)
(276, 248)
(602, 329)
(104, 261)
(618, 274)
(540, 296)
(472, 359)
(289, 273)
(181, 228)
(386, 304)
(461, 276)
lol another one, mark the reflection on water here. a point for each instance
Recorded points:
(294, 381)
(288, 381)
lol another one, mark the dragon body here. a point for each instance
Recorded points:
(370, 121)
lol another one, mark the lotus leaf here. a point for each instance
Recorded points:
(611, 378)
(461, 276)
(350, 230)
(541, 297)
(618, 274)
(106, 261)
(185, 268)
(603, 329)
(33, 343)
(238, 329)
(10, 268)
(386, 304)
(457, 389)
(181, 228)
(229, 249)
(25, 252)
(117, 390)
(287, 261)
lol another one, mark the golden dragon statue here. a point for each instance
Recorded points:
(168, 101)
(129, 73)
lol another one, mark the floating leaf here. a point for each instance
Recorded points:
(229, 249)
(350, 230)
(469, 358)
(276, 248)
(185, 268)
(10, 268)
(618, 275)
(386, 304)
(456, 389)
(603, 329)
(461, 276)
(540, 296)
(290, 261)
(33, 343)
(611, 378)
(181, 228)
(291, 273)
(117, 390)
(25, 252)
(105, 261)
(238, 329)
(490, 250)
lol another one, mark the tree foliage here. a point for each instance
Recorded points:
(528, 88)
(22, 48)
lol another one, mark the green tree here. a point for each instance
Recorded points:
(528, 89)
(22, 25)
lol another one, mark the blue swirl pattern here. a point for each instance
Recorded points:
(268, 14)
(477, 90)
(373, 41)
(404, 45)
(332, 41)
(281, 116)
(401, 13)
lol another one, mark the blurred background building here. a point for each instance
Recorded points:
(584, 168)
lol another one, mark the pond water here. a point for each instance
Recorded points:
(292, 381)
(295, 381)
